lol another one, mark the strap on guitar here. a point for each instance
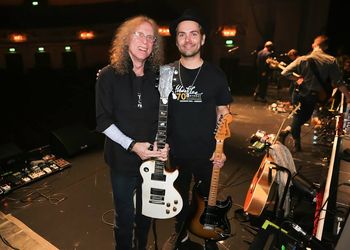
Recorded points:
(326, 87)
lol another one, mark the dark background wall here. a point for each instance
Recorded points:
(43, 92)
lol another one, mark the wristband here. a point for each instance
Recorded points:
(132, 144)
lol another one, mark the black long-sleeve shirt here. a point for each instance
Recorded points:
(117, 103)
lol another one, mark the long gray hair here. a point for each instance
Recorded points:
(119, 50)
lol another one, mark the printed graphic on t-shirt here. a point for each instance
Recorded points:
(188, 94)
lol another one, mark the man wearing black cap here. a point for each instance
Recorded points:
(200, 96)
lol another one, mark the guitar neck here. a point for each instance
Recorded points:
(293, 73)
(215, 175)
(279, 130)
(284, 121)
(162, 125)
(161, 135)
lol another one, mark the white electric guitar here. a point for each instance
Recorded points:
(159, 197)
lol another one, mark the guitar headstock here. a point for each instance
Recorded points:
(165, 86)
(273, 63)
(222, 129)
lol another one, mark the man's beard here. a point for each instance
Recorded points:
(190, 53)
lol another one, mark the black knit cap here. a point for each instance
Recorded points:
(188, 15)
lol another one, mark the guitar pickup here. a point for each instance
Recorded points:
(158, 177)
(157, 198)
(157, 191)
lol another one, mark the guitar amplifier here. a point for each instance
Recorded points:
(344, 239)
(72, 140)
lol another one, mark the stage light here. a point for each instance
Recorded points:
(86, 35)
(164, 31)
(35, 3)
(228, 31)
(17, 37)
(12, 50)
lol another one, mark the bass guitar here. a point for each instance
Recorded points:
(210, 218)
(159, 197)
(263, 179)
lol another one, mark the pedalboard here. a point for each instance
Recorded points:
(24, 172)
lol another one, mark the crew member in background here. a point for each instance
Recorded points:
(314, 70)
(292, 55)
(263, 72)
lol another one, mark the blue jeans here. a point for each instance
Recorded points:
(123, 188)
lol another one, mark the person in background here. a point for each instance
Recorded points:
(313, 68)
(263, 72)
(200, 97)
(127, 102)
(292, 55)
(346, 71)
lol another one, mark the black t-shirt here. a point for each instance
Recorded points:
(192, 110)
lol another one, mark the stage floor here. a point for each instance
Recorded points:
(73, 208)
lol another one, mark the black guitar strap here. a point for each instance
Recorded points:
(326, 87)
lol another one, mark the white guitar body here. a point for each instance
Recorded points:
(159, 197)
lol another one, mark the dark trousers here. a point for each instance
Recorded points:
(261, 88)
(308, 104)
(201, 170)
(123, 193)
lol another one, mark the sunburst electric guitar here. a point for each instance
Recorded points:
(210, 218)
(263, 179)
(159, 197)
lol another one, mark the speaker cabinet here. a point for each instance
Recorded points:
(344, 239)
(72, 140)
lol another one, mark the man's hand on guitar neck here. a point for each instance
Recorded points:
(146, 150)
(164, 152)
(218, 160)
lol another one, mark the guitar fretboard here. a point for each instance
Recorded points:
(161, 134)
(215, 175)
